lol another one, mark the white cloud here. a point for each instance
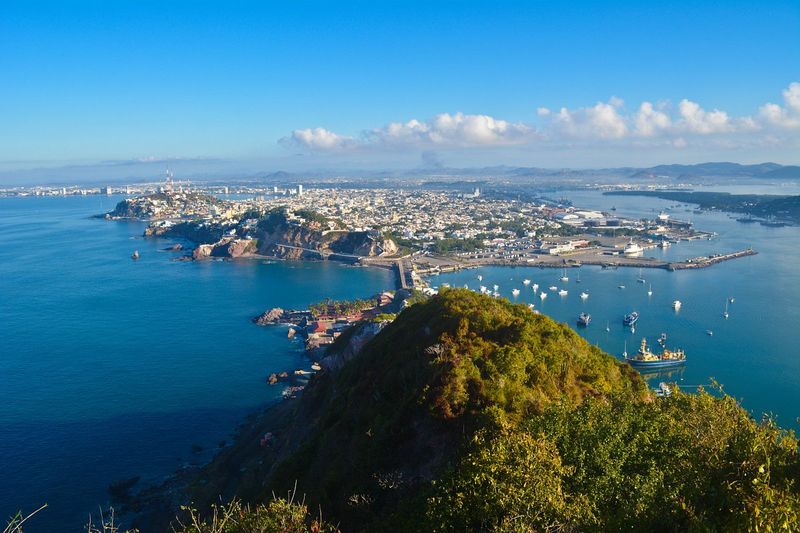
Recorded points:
(679, 126)
(455, 130)
(650, 121)
(317, 139)
(695, 119)
(603, 121)
(787, 116)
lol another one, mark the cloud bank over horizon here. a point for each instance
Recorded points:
(651, 123)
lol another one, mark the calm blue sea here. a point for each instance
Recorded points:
(754, 354)
(111, 368)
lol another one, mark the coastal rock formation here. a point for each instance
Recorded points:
(280, 236)
(275, 315)
(275, 234)
(228, 247)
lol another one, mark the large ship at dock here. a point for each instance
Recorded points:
(645, 360)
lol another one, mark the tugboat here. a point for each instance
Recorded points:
(631, 319)
(584, 319)
(647, 360)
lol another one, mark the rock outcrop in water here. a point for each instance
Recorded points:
(228, 248)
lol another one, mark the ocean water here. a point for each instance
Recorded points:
(111, 368)
(754, 354)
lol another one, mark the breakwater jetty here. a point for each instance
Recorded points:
(707, 261)
(585, 258)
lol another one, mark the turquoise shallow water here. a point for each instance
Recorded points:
(754, 354)
(111, 368)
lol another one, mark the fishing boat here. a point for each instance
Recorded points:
(676, 305)
(515, 292)
(584, 319)
(584, 295)
(631, 318)
(632, 248)
(647, 360)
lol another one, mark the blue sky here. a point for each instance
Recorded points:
(319, 84)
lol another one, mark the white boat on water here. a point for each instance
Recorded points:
(480, 278)
(526, 282)
(564, 277)
(563, 292)
(515, 292)
(676, 305)
(553, 288)
(535, 287)
(530, 306)
(484, 290)
(632, 248)
(641, 279)
(650, 290)
(495, 287)
(542, 295)
(621, 286)
(584, 295)
(608, 327)
(725, 313)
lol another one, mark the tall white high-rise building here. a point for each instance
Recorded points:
(300, 190)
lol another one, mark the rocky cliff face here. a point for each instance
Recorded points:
(301, 242)
(228, 247)
(275, 236)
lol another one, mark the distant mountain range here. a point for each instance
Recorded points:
(221, 171)
(721, 170)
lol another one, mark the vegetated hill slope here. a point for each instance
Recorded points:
(469, 413)
(410, 400)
